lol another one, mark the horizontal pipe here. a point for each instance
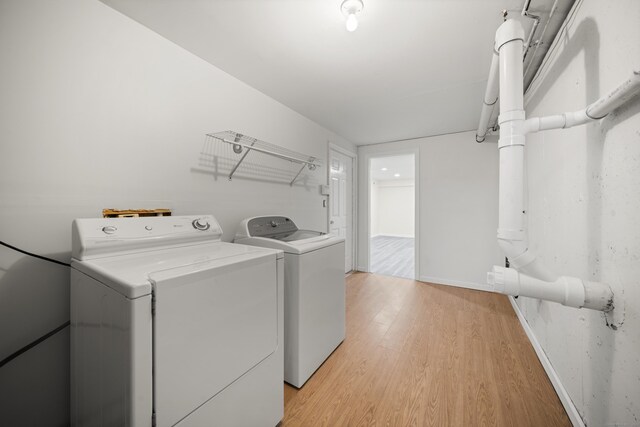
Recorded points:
(493, 119)
(595, 111)
(569, 291)
(490, 99)
(485, 118)
(559, 121)
(615, 98)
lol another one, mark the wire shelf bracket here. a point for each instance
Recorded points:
(243, 144)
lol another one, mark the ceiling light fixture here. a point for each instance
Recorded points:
(349, 9)
(397, 175)
(383, 169)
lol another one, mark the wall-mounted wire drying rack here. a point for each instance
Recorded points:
(243, 145)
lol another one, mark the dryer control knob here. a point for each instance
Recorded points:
(109, 229)
(273, 223)
(201, 224)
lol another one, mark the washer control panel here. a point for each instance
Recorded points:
(270, 225)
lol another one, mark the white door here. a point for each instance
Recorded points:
(341, 201)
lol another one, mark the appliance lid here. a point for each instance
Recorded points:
(296, 247)
(296, 235)
(129, 274)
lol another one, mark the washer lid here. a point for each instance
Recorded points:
(280, 232)
(129, 274)
(296, 246)
(296, 235)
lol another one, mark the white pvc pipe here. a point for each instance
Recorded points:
(569, 291)
(615, 98)
(512, 234)
(559, 121)
(529, 277)
(493, 120)
(489, 101)
(595, 111)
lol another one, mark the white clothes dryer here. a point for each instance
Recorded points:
(314, 296)
(172, 327)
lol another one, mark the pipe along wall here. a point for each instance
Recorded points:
(528, 275)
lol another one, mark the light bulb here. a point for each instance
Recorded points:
(352, 22)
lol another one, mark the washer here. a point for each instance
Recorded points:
(170, 326)
(314, 297)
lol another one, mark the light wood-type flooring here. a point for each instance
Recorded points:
(393, 256)
(418, 354)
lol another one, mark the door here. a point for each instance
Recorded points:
(213, 322)
(341, 201)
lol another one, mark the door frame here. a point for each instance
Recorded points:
(366, 188)
(354, 196)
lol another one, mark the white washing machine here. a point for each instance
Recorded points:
(314, 296)
(170, 326)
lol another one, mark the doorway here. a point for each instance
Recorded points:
(342, 200)
(392, 230)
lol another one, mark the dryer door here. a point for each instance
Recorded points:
(213, 322)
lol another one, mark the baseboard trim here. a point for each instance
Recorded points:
(456, 283)
(571, 409)
(406, 236)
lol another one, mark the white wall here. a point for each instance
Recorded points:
(97, 111)
(394, 208)
(584, 200)
(458, 205)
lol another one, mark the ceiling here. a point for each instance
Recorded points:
(386, 168)
(413, 68)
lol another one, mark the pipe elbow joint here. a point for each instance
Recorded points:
(511, 248)
(523, 259)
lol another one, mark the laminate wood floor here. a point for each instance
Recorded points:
(393, 256)
(418, 354)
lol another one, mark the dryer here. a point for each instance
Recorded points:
(172, 327)
(314, 296)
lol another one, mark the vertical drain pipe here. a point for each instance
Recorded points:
(528, 277)
(512, 234)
